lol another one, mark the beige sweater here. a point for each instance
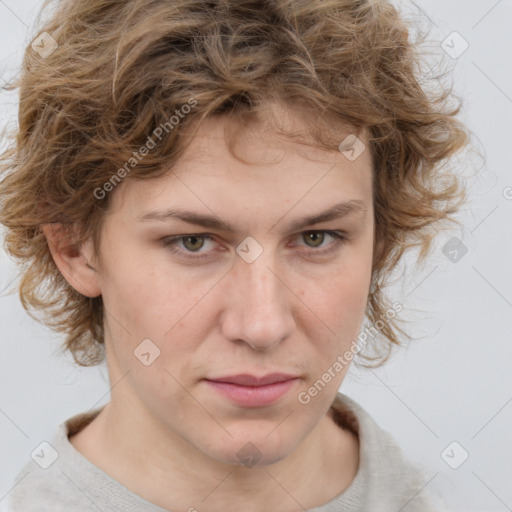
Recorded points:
(385, 481)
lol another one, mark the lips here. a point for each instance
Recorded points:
(252, 391)
(254, 381)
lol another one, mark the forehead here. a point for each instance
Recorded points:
(260, 140)
(261, 171)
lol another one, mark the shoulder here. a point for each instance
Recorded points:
(47, 482)
(386, 475)
(35, 491)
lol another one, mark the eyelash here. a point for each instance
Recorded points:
(170, 242)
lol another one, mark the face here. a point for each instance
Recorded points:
(259, 289)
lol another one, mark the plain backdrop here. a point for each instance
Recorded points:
(448, 395)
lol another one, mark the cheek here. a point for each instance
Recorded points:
(342, 298)
(149, 299)
(354, 288)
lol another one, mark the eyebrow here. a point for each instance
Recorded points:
(336, 211)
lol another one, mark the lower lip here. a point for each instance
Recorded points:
(253, 396)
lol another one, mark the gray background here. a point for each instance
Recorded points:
(452, 384)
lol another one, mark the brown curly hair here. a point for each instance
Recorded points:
(118, 70)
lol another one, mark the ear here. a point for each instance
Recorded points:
(73, 259)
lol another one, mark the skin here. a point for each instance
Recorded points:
(165, 434)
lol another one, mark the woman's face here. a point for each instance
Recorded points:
(253, 287)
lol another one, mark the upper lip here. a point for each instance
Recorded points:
(252, 380)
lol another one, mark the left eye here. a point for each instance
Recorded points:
(314, 236)
(193, 243)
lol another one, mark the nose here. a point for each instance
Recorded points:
(258, 310)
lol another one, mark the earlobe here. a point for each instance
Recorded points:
(72, 260)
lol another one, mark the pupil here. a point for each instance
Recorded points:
(316, 234)
(194, 238)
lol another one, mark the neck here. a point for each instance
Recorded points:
(166, 470)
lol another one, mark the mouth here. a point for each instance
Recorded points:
(251, 391)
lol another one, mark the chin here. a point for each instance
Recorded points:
(251, 450)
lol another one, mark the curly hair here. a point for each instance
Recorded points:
(114, 73)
